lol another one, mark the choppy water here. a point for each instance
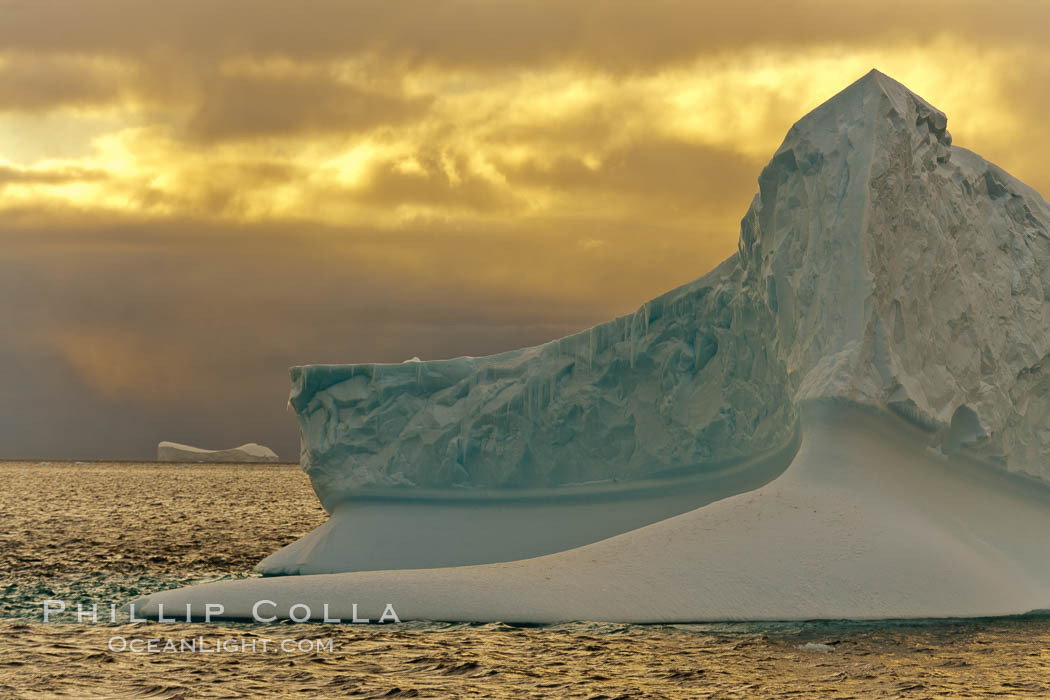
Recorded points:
(109, 532)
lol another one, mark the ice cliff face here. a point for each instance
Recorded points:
(907, 273)
(679, 385)
(878, 264)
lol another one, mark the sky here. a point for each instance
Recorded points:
(196, 195)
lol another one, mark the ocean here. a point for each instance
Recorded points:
(104, 533)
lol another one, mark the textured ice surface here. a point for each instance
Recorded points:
(677, 387)
(890, 286)
(906, 273)
(250, 452)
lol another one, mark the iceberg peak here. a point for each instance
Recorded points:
(903, 272)
(873, 97)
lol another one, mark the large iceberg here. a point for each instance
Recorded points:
(884, 328)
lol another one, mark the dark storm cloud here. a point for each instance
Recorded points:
(656, 170)
(43, 82)
(385, 184)
(268, 183)
(620, 34)
(250, 106)
(118, 341)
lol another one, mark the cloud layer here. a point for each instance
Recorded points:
(196, 195)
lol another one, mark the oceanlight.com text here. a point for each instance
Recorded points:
(230, 645)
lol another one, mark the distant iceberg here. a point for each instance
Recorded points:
(250, 452)
(848, 418)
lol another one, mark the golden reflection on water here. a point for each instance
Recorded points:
(107, 532)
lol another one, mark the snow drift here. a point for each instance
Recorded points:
(889, 287)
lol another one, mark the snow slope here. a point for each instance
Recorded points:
(489, 526)
(881, 271)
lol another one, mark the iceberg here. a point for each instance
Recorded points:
(848, 418)
(249, 452)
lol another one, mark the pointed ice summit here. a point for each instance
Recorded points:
(907, 274)
(849, 418)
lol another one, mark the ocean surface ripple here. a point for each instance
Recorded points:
(108, 532)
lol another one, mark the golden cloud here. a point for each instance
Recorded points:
(526, 155)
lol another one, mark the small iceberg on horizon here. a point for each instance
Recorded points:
(249, 452)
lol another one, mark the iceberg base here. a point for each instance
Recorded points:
(866, 523)
(421, 531)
